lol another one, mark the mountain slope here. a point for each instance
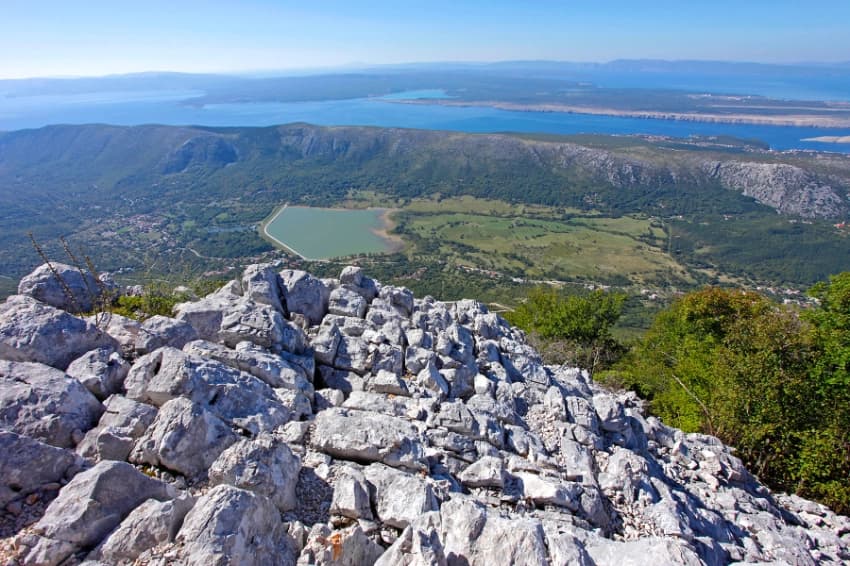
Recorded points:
(56, 180)
(287, 419)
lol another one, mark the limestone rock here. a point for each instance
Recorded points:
(351, 494)
(148, 525)
(185, 438)
(28, 465)
(44, 403)
(664, 552)
(339, 548)
(89, 507)
(123, 421)
(346, 302)
(101, 371)
(482, 537)
(84, 289)
(264, 465)
(273, 369)
(159, 331)
(489, 471)
(262, 284)
(398, 497)
(365, 436)
(262, 325)
(31, 331)
(236, 397)
(229, 525)
(305, 294)
(124, 330)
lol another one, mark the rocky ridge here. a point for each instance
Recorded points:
(286, 419)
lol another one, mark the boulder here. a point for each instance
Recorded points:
(482, 537)
(398, 497)
(228, 526)
(344, 301)
(262, 325)
(264, 465)
(159, 331)
(271, 368)
(489, 471)
(305, 295)
(365, 436)
(77, 292)
(27, 465)
(353, 278)
(122, 423)
(185, 438)
(123, 329)
(42, 402)
(551, 491)
(262, 284)
(387, 383)
(343, 547)
(150, 524)
(31, 331)
(101, 371)
(88, 508)
(351, 494)
(240, 399)
(652, 550)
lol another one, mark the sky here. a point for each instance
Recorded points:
(97, 37)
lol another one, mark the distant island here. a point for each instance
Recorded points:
(743, 114)
(829, 139)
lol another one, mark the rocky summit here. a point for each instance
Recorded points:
(286, 419)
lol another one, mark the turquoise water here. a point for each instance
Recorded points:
(324, 233)
(171, 108)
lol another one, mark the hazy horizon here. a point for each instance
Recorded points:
(53, 38)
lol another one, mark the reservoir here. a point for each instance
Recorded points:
(325, 233)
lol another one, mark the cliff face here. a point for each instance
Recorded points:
(290, 420)
(786, 188)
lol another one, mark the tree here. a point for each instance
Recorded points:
(571, 328)
(765, 378)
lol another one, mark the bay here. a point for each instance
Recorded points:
(176, 108)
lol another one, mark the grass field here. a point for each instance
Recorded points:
(542, 243)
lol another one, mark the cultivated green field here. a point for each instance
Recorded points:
(541, 242)
(324, 233)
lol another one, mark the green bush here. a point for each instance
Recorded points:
(765, 378)
(574, 329)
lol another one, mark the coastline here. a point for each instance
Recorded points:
(794, 120)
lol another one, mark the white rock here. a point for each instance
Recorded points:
(79, 293)
(27, 465)
(31, 331)
(264, 465)
(101, 371)
(234, 526)
(185, 438)
(365, 436)
(89, 507)
(305, 295)
(42, 402)
(398, 497)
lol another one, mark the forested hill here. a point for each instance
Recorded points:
(608, 173)
(60, 179)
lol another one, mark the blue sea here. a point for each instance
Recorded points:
(175, 108)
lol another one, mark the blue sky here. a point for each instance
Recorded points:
(94, 37)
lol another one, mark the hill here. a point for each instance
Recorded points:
(286, 419)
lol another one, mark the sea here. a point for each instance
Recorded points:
(177, 108)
